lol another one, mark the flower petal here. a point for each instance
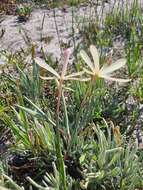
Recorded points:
(95, 56)
(79, 79)
(113, 67)
(75, 74)
(42, 64)
(87, 71)
(47, 78)
(115, 79)
(66, 56)
(87, 60)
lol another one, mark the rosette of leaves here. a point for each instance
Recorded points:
(108, 166)
(23, 12)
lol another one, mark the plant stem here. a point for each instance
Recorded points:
(60, 161)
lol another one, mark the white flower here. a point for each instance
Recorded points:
(104, 72)
(60, 77)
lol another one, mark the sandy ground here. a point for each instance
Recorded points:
(13, 39)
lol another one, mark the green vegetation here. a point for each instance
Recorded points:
(23, 12)
(71, 126)
(55, 3)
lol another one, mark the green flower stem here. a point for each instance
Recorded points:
(60, 161)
